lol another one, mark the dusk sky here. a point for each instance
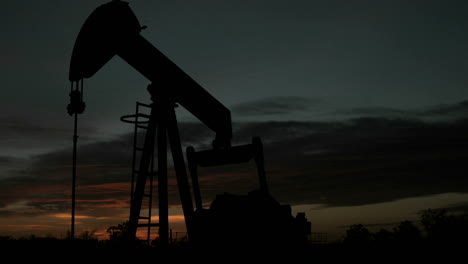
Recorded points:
(362, 108)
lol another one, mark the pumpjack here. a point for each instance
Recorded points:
(113, 29)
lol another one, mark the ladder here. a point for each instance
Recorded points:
(161, 131)
(140, 121)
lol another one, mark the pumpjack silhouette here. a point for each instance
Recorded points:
(241, 220)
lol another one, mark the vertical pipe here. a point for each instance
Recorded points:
(162, 178)
(181, 173)
(75, 140)
(259, 160)
(192, 164)
(150, 202)
(81, 89)
(170, 235)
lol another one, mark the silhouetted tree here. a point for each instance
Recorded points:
(433, 221)
(441, 227)
(383, 236)
(407, 232)
(118, 232)
(88, 235)
(358, 234)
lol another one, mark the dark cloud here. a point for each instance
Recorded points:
(437, 112)
(21, 134)
(455, 208)
(274, 106)
(458, 110)
(45, 180)
(376, 225)
(376, 111)
(5, 160)
(361, 161)
(357, 162)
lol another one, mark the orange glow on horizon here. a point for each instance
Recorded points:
(67, 215)
(36, 227)
(172, 218)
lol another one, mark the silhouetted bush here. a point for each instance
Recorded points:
(440, 228)
(407, 233)
(358, 235)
